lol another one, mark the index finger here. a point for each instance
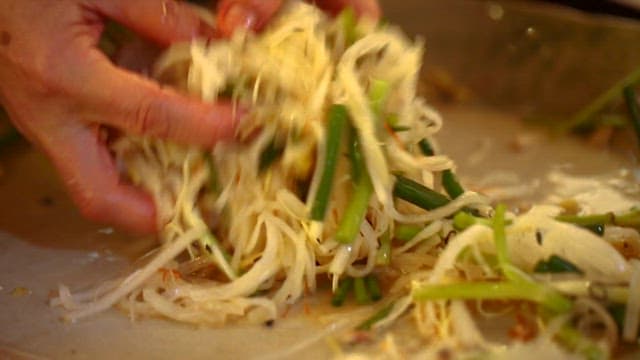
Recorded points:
(163, 21)
(134, 104)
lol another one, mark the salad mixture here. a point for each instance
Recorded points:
(337, 184)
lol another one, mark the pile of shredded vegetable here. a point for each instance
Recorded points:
(336, 178)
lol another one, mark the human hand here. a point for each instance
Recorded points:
(59, 90)
(255, 14)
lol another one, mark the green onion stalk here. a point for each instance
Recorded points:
(336, 126)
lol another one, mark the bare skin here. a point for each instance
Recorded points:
(255, 14)
(60, 90)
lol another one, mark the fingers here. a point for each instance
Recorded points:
(140, 106)
(90, 175)
(255, 14)
(247, 14)
(163, 21)
(366, 8)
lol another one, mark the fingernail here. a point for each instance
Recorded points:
(238, 17)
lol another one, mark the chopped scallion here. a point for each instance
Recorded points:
(463, 220)
(405, 233)
(358, 204)
(360, 291)
(586, 115)
(451, 184)
(270, 154)
(343, 290)
(629, 219)
(378, 94)
(418, 194)
(373, 286)
(214, 186)
(336, 125)
(555, 264)
(508, 290)
(575, 341)
(349, 22)
(426, 148)
(379, 315)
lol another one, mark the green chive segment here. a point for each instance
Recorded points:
(418, 194)
(506, 290)
(357, 206)
(556, 264)
(336, 125)
(344, 288)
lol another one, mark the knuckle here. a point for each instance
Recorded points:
(151, 117)
(92, 205)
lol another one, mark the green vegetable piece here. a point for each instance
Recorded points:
(597, 229)
(426, 147)
(349, 226)
(575, 341)
(506, 290)
(378, 95)
(358, 166)
(449, 180)
(406, 232)
(211, 243)
(343, 290)
(634, 109)
(373, 287)
(379, 315)
(629, 219)
(349, 22)
(336, 125)
(451, 184)
(499, 235)
(618, 313)
(498, 224)
(269, 155)
(418, 194)
(214, 185)
(357, 206)
(586, 114)
(360, 290)
(398, 128)
(555, 265)
(463, 220)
